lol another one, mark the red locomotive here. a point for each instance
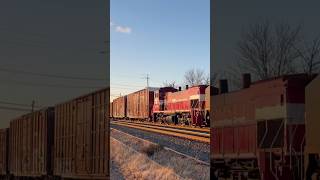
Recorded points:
(258, 131)
(182, 107)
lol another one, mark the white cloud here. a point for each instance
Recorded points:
(119, 28)
(123, 29)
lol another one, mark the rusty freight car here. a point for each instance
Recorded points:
(258, 130)
(140, 103)
(31, 141)
(4, 152)
(119, 107)
(312, 152)
(82, 137)
(111, 110)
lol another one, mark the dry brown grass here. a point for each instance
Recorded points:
(184, 166)
(138, 166)
(150, 149)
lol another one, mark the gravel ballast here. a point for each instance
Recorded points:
(194, 149)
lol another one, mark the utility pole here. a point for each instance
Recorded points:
(32, 105)
(148, 94)
(147, 77)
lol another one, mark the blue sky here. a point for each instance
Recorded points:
(163, 38)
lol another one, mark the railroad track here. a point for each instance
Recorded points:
(195, 134)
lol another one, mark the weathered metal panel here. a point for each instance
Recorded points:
(140, 103)
(4, 151)
(31, 141)
(111, 110)
(65, 137)
(237, 141)
(119, 107)
(215, 140)
(82, 137)
(100, 134)
(271, 112)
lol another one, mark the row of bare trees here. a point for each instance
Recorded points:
(192, 77)
(267, 50)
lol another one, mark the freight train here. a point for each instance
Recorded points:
(269, 129)
(165, 105)
(67, 141)
(258, 132)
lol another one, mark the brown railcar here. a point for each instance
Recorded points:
(140, 103)
(31, 141)
(119, 107)
(4, 152)
(111, 110)
(82, 137)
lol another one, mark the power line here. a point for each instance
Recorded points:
(37, 44)
(17, 104)
(14, 108)
(52, 85)
(125, 85)
(50, 75)
(62, 76)
(121, 88)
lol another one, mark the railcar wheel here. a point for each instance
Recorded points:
(208, 119)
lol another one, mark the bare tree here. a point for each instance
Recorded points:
(310, 56)
(169, 84)
(196, 77)
(206, 80)
(267, 50)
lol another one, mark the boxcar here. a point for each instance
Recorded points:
(258, 131)
(140, 103)
(82, 137)
(312, 152)
(31, 141)
(119, 107)
(4, 152)
(111, 110)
